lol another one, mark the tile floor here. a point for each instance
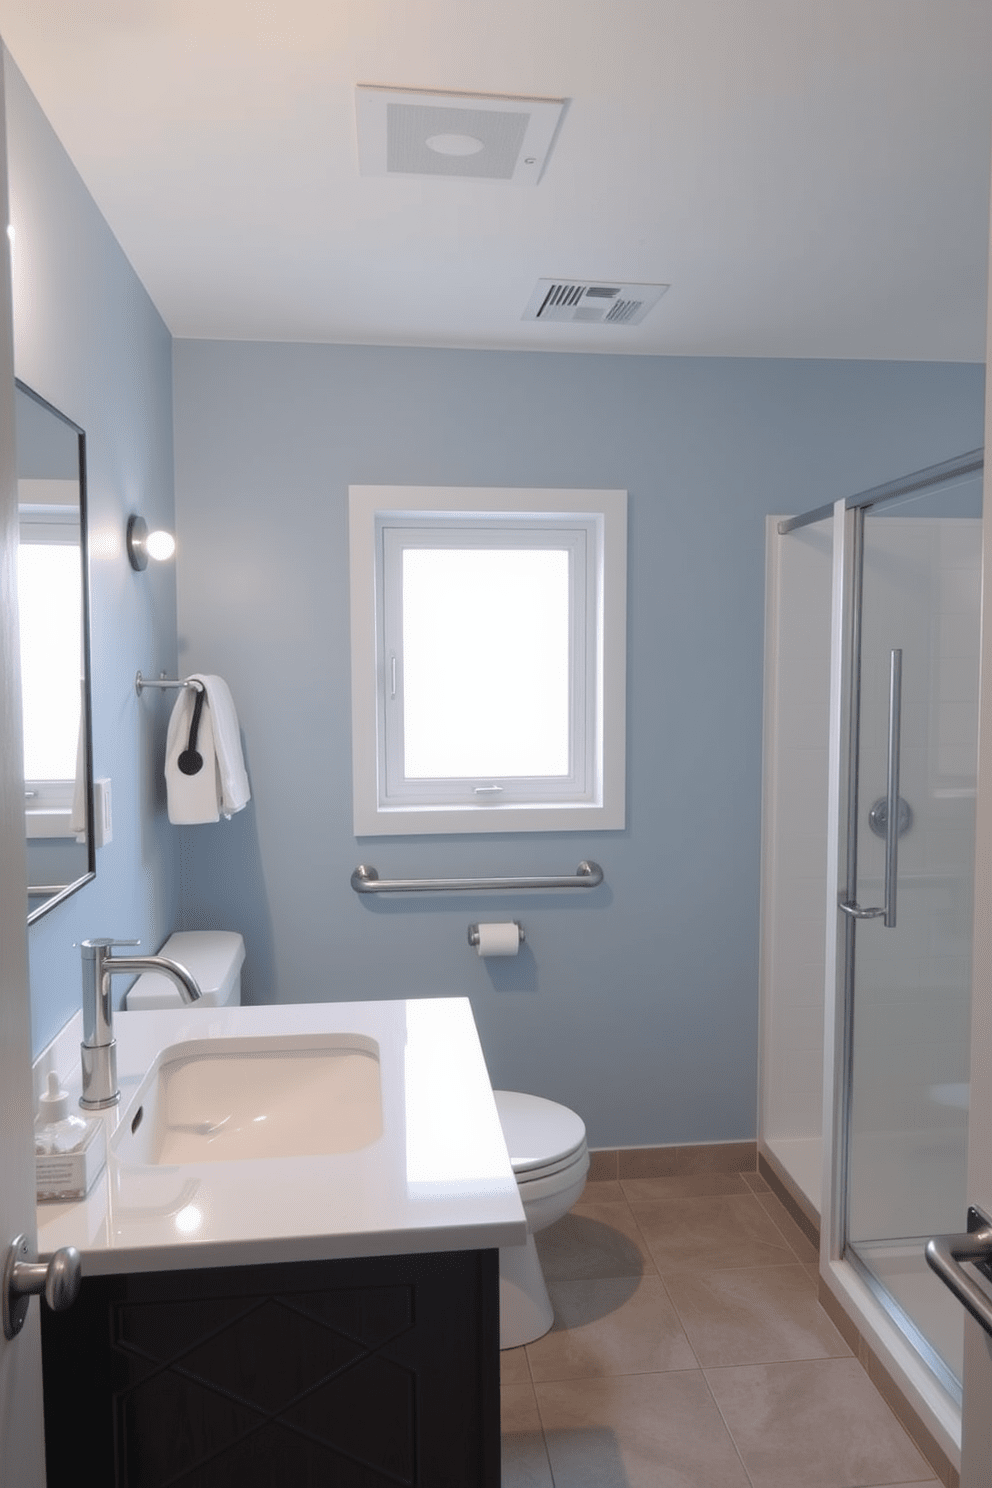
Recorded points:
(690, 1351)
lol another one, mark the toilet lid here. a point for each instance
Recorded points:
(537, 1132)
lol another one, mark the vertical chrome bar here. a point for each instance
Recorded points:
(854, 711)
(843, 1115)
(892, 792)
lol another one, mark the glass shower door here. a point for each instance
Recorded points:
(914, 739)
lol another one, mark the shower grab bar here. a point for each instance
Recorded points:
(887, 911)
(944, 1254)
(365, 880)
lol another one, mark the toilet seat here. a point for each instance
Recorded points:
(548, 1183)
(536, 1175)
(542, 1137)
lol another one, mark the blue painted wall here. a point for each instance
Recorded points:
(88, 339)
(636, 1003)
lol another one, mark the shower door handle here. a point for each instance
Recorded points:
(945, 1253)
(892, 788)
(888, 909)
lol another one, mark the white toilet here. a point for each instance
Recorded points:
(548, 1154)
(212, 957)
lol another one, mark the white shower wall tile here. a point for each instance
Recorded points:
(797, 717)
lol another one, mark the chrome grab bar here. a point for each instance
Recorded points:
(944, 1254)
(365, 880)
(888, 909)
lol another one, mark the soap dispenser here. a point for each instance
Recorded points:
(69, 1150)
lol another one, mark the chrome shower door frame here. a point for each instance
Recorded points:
(903, 1350)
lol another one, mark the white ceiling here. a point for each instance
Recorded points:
(810, 176)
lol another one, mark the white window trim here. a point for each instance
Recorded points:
(604, 810)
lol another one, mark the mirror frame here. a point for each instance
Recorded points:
(86, 721)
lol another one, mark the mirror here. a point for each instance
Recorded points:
(53, 610)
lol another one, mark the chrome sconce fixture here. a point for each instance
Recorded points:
(142, 544)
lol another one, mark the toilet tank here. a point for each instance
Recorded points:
(212, 957)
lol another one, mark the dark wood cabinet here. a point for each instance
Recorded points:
(378, 1372)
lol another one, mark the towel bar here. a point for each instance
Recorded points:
(140, 682)
(365, 880)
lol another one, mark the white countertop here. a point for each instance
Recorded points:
(438, 1178)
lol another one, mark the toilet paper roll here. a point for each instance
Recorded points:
(499, 940)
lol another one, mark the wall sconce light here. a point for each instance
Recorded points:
(142, 544)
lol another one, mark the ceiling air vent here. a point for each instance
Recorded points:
(474, 136)
(594, 304)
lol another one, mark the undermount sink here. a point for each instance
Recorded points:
(237, 1099)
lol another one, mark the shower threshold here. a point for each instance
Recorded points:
(917, 1301)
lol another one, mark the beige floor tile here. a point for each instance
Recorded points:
(518, 1408)
(596, 1240)
(708, 1233)
(513, 1367)
(683, 1186)
(620, 1325)
(637, 1431)
(757, 1315)
(756, 1183)
(524, 1455)
(601, 1191)
(819, 1424)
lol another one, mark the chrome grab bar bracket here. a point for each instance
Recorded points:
(945, 1253)
(852, 908)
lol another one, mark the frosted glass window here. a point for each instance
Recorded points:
(486, 658)
(50, 606)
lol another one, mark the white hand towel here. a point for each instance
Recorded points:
(192, 798)
(232, 777)
(220, 786)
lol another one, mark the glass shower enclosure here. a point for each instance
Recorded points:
(871, 722)
(906, 895)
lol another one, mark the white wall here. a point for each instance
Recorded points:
(794, 851)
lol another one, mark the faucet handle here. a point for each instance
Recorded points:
(103, 943)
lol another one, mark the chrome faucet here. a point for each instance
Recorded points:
(99, 1047)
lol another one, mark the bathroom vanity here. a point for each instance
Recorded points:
(324, 1313)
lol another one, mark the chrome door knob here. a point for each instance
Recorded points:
(24, 1277)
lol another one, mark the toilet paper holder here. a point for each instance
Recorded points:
(473, 933)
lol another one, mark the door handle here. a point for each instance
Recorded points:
(888, 909)
(24, 1277)
(945, 1253)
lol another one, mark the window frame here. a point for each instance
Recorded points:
(502, 517)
